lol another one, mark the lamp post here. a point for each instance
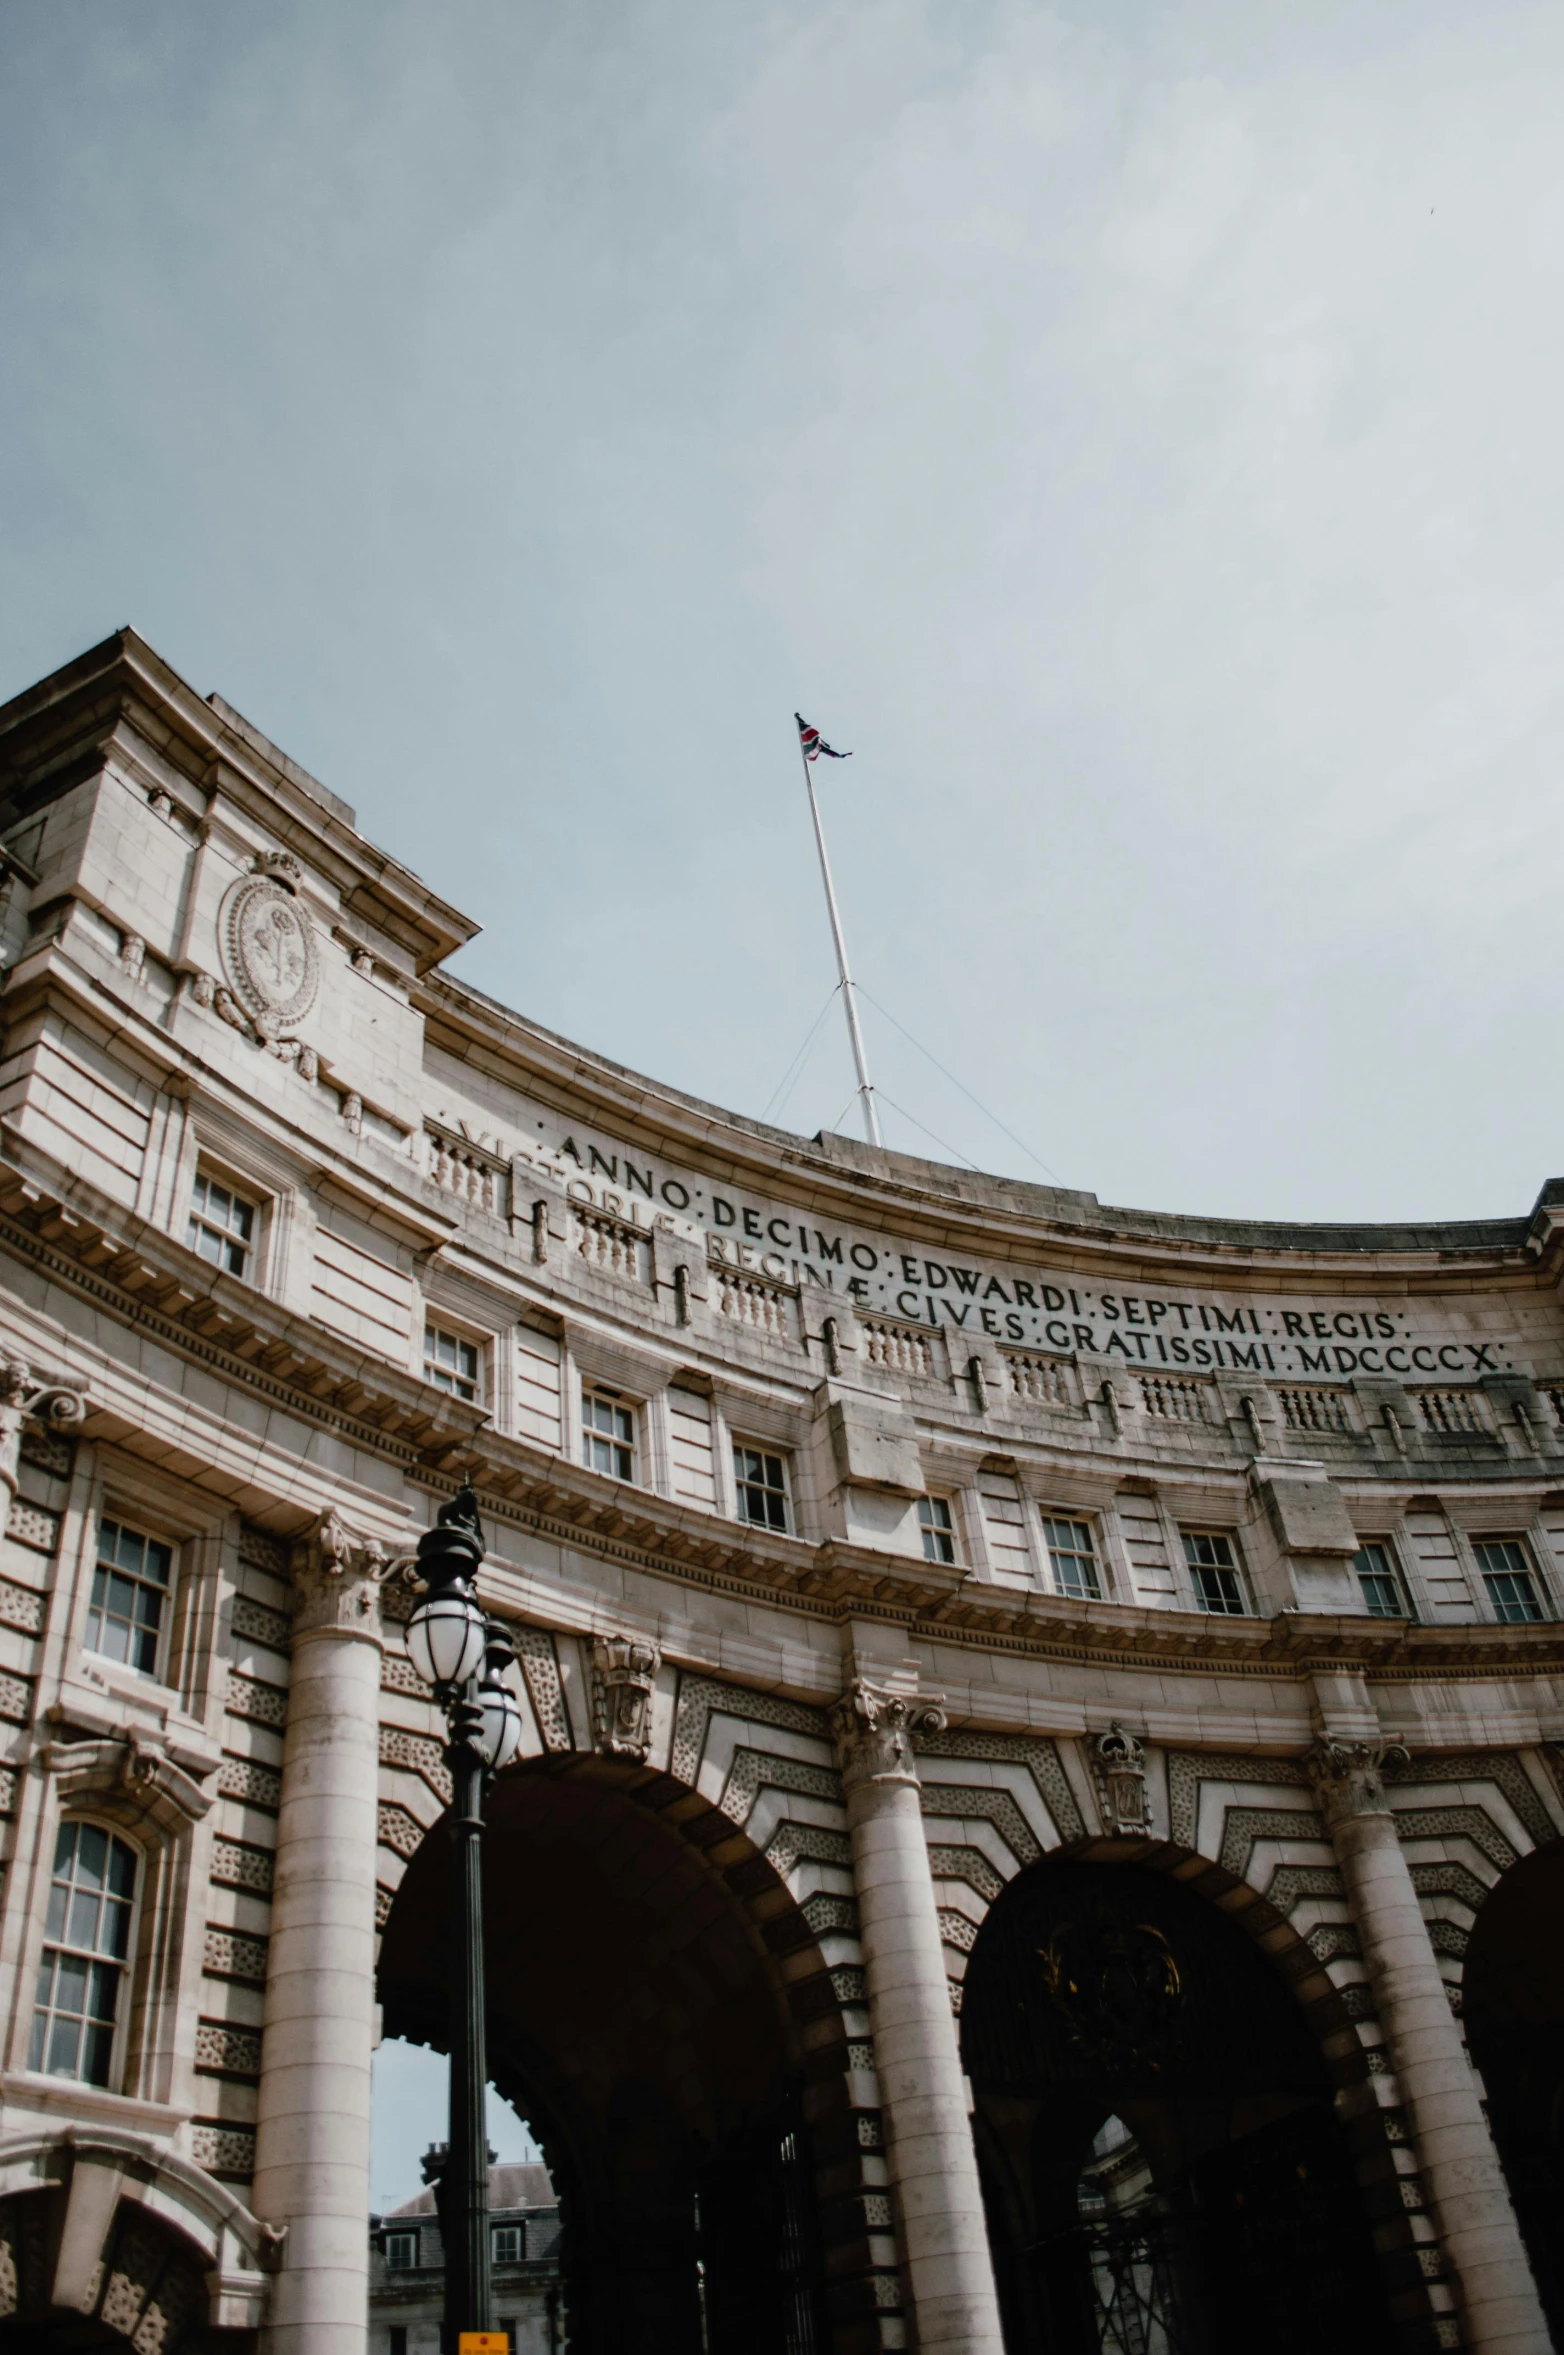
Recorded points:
(464, 1656)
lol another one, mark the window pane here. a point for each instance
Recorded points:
(83, 1930)
(98, 2054)
(92, 1854)
(1071, 1553)
(64, 2045)
(1217, 1590)
(938, 1528)
(70, 1983)
(129, 1588)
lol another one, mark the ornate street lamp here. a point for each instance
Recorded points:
(464, 1656)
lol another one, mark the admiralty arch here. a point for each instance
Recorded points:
(1040, 1824)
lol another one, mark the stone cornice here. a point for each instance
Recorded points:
(836, 1177)
(71, 716)
(147, 1280)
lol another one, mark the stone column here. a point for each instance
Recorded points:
(1459, 2165)
(312, 2137)
(933, 2166)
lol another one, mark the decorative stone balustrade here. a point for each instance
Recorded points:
(1179, 1402)
(900, 1349)
(468, 1172)
(1042, 1380)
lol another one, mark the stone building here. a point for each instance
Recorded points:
(1040, 1815)
(407, 2268)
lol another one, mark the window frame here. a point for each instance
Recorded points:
(209, 1172)
(1392, 1571)
(742, 1482)
(1233, 1568)
(939, 1500)
(148, 1533)
(607, 1394)
(460, 1336)
(1513, 1541)
(76, 1821)
(401, 2234)
(496, 2255)
(1093, 1554)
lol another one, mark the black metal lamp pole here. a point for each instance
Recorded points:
(465, 1656)
(464, 2211)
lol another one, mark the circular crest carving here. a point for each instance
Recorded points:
(269, 952)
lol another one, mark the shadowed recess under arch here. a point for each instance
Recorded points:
(1103, 1991)
(640, 2017)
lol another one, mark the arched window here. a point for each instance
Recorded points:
(86, 1955)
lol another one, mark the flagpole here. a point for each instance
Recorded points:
(871, 1119)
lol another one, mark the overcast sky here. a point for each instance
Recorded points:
(1134, 430)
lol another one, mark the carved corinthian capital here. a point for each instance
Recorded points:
(624, 1671)
(1348, 1776)
(336, 1581)
(874, 1730)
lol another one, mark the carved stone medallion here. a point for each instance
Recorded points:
(268, 948)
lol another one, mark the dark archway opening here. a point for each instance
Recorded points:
(637, 2020)
(1164, 2170)
(1514, 2012)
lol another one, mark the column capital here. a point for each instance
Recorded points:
(1348, 1775)
(336, 1581)
(873, 1730)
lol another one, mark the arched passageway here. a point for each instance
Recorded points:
(649, 1988)
(1164, 2170)
(1514, 2009)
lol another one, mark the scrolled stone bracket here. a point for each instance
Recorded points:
(23, 1397)
(874, 1731)
(1349, 1776)
(134, 1777)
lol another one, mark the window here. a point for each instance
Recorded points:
(937, 1524)
(222, 1225)
(130, 1589)
(507, 2244)
(1506, 1570)
(396, 2343)
(1074, 1560)
(1383, 1592)
(450, 1363)
(761, 1482)
(401, 2252)
(1214, 1570)
(607, 1434)
(87, 1934)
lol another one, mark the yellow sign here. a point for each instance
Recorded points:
(483, 2342)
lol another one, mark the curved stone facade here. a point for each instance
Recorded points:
(875, 1535)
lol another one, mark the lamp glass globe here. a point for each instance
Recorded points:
(445, 1638)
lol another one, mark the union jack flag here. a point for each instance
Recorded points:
(814, 743)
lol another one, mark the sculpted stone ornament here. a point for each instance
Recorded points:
(1119, 1766)
(336, 1579)
(624, 1671)
(268, 947)
(59, 1404)
(1348, 1776)
(874, 1730)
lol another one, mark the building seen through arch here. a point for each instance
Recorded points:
(1038, 1823)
